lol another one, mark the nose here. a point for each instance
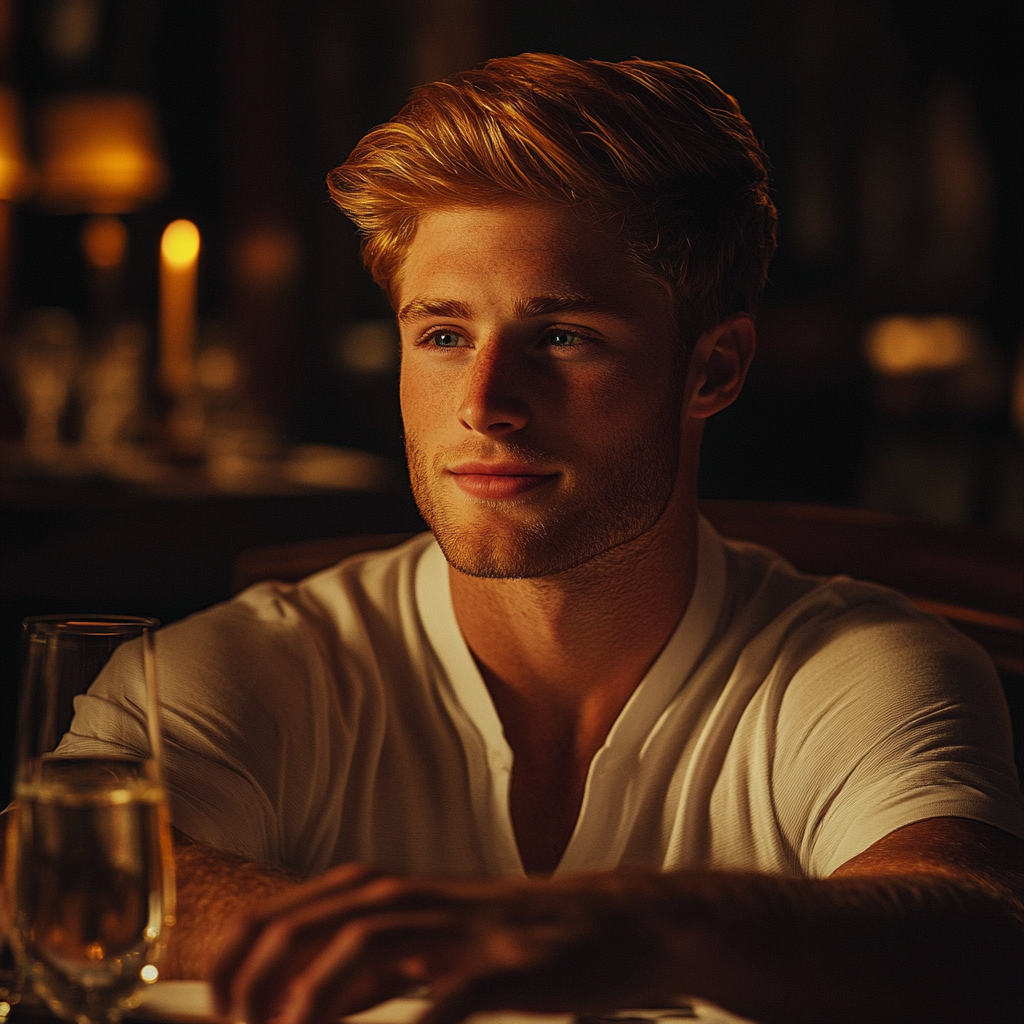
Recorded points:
(493, 400)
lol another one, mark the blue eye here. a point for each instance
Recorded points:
(446, 339)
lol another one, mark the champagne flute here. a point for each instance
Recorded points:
(93, 887)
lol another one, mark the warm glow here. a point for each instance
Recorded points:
(14, 172)
(901, 345)
(104, 240)
(179, 245)
(10, 175)
(100, 153)
(149, 974)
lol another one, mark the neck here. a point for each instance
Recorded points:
(562, 655)
(587, 635)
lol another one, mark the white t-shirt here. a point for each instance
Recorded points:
(787, 725)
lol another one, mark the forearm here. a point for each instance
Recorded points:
(900, 933)
(926, 947)
(212, 886)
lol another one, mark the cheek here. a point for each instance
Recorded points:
(425, 397)
(628, 400)
(409, 397)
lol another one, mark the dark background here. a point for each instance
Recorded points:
(873, 114)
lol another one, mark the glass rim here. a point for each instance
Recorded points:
(87, 622)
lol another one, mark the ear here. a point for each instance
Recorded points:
(718, 365)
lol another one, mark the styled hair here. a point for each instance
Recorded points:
(652, 150)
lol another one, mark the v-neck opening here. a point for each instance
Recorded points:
(606, 795)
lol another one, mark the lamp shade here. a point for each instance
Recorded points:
(100, 153)
(15, 175)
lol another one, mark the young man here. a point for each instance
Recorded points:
(589, 754)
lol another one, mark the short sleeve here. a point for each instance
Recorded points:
(897, 718)
(237, 684)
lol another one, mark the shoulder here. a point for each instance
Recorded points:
(869, 714)
(272, 612)
(872, 669)
(274, 631)
(848, 620)
(838, 664)
(855, 647)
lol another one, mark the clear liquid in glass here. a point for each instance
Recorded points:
(93, 891)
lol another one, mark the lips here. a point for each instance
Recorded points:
(497, 481)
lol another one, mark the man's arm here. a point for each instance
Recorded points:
(213, 886)
(926, 925)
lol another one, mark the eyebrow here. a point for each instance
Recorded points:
(522, 309)
(544, 305)
(417, 308)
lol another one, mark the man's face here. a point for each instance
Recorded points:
(541, 389)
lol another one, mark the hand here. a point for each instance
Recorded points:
(353, 938)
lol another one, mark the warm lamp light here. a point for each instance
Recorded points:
(100, 153)
(898, 346)
(15, 179)
(14, 170)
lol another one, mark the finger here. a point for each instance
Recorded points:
(244, 930)
(279, 952)
(292, 922)
(267, 951)
(286, 946)
(283, 949)
(369, 960)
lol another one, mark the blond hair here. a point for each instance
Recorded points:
(653, 150)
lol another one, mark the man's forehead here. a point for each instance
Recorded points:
(513, 226)
(550, 257)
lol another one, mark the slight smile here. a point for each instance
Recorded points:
(497, 481)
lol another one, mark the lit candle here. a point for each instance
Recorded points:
(179, 261)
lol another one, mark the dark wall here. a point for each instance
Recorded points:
(259, 99)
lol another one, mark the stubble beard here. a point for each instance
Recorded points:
(606, 505)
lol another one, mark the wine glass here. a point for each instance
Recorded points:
(92, 867)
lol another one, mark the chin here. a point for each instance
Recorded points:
(486, 544)
(495, 554)
(500, 549)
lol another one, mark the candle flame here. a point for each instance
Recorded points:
(179, 244)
